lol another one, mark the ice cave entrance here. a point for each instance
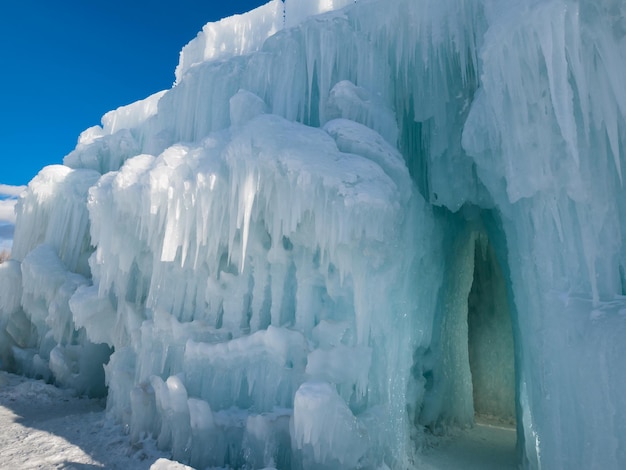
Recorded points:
(490, 340)
(477, 380)
(473, 375)
(472, 385)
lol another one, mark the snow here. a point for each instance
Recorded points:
(45, 427)
(349, 231)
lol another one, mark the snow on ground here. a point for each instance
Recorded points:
(43, 427)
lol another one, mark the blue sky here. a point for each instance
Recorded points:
(67, 62)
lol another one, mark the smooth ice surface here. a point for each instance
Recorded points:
(325, 428)
(313, 249)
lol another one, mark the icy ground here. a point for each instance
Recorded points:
(44, 427)
(484, 447)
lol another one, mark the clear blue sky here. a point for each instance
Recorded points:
(67, 62)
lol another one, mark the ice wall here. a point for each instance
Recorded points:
(547, 134)
(233, 36)
(274, 259)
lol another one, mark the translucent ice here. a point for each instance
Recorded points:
(348, 228)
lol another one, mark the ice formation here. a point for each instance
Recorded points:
(346, 226)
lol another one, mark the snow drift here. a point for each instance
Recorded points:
(347, 225)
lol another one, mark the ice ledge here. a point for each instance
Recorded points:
(246, 33)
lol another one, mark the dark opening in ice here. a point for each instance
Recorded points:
(490, 340)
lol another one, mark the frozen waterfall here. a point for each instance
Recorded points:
(348, 228)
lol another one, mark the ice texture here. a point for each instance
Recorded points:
(232, 36)
(346, 230)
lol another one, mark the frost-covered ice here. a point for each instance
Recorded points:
(346, 230)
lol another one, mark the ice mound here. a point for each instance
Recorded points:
(348, 228)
